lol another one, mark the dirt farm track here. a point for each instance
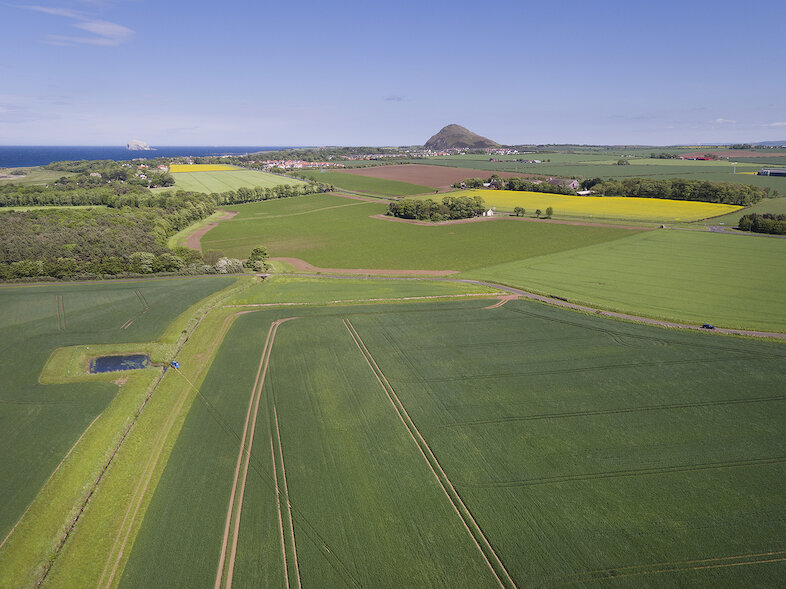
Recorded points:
(436, 176)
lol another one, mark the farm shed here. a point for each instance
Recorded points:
(772, 172)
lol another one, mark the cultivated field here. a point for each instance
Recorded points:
(448, 445)
(324, 290)
(604, 165)
(334, 232)
(769, 205)
(433, 176)
(61, 320)
(367, 184)
(228, 179)
(602, 207)
(178, 168)
(699, 277)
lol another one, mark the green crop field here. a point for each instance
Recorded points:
(39, 423)
(729, 280)
(323, 290)
(769, 205)
(225, 180)
(444, 444)
(334, 232)
(367, 184)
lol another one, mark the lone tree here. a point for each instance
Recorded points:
(257, 259)
(623, 162)
(519, 211)
(537, 213)
(549, 212)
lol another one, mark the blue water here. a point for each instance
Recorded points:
(113, 363)
(16, 156)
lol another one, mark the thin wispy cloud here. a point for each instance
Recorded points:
(721, 121)
(778, 124)
(102, 33)
(394, 98)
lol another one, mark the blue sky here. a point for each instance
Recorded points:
(102, 72)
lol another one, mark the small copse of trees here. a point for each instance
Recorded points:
(460, 207)
(774, 224)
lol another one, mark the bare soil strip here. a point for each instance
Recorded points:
(286, 496)
(193, 240)
(476, 533)
(305, 266)
(502, 301)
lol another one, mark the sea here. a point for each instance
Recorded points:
(18, 156)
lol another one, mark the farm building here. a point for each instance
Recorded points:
(574, 184)
(772, 172)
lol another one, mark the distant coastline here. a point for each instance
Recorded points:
(17, 156)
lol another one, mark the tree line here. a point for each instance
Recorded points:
(520, 184)
(679, 189)
(451, 207)
(774, 224)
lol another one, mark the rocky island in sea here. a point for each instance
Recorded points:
(136, 145)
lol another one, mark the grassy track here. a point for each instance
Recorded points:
(584, 449)
(223, 181)
(729, 280)
(335, 232)
(35, 321)
(368, 184)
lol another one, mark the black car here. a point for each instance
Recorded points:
(708, 326)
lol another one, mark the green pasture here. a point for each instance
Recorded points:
(34, 175)
(31, 333)
(589, 452)
(769, 205)
(366, 184)
(700, 277)
(225, 180)
(333, 232)
(321, 291)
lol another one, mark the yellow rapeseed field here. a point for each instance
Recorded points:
(602, 207)
(175, 168)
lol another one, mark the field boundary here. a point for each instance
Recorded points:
(476, 533)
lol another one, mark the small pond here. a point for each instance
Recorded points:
(114, 363)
